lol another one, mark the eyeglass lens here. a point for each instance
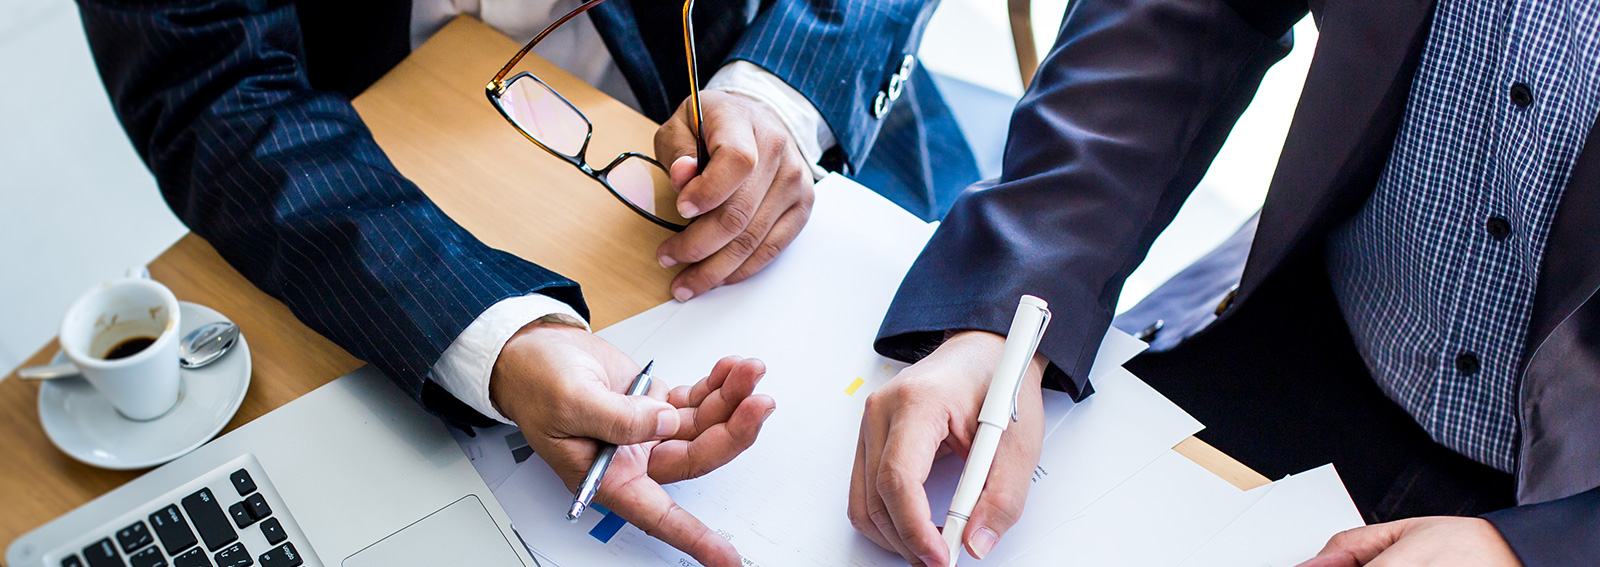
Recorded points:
(646, 185)
(544, 115)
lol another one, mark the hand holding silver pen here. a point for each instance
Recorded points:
(567, 390)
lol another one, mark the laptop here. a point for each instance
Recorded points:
(354, 474)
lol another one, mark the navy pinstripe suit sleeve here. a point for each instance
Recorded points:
(290, 188)
(839, 54)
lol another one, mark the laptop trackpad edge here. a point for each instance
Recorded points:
(462, 533)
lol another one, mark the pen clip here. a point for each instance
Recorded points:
(1032, 349)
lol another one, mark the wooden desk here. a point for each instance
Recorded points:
(430, 116)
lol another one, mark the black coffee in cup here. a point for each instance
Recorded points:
(129, 347)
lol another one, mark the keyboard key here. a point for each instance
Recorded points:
(209, 519)
(172, 529)
(258, 506)
(242, 482)
(273, 531)
(193, 558)
(282, 556)
(103, 554)
(150, 557)
(134, 537)
(234, 556)
(241, 515)
(72, 561)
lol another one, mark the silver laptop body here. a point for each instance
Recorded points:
(354, 474)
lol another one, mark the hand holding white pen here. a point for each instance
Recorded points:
(929, 410)
(999, 410)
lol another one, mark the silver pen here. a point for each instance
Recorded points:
(597, 470)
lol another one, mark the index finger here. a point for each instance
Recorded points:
(647, 506)
(908, 456)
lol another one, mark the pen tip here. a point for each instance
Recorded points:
(647, 366)
(577, 510)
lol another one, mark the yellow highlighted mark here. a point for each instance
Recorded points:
(851, 390)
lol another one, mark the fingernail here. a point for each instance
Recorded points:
(982, 542)
(666, 422)
(768, 414)
(930, 561)
(682, 294)
(666, 261)
(688, 210)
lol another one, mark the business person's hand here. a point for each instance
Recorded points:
(563, 386)
(929, 410)
(753, 198)
(1438, 541)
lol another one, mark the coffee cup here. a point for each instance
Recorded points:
(123, 336)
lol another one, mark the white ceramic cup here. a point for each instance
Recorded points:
(142, 386)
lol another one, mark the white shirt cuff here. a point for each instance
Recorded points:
(810, 132)
(464, 368)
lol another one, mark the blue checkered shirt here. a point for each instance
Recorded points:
(1436, 273)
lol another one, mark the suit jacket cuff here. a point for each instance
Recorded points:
(916, 325)
(464, 368)
(1558, 533)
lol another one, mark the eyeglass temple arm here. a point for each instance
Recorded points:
(701, 155)
(536, 39)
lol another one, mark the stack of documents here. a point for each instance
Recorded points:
(1106, 467)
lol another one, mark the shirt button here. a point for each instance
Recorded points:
(1499, 228)
(1521, 95)
(1467, 363)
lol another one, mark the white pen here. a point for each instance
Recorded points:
(999, 410)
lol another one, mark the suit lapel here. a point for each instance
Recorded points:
(1570, 272)
(620, 30)
(1344, 126)
(646, 41)
(1559, 442)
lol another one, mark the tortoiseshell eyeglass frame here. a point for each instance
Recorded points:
(498, 85)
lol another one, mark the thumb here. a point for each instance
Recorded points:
(619, 419)
(683, 170)
(1000, 505)
(1355, 547)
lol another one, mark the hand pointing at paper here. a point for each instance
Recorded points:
(562, 385)
(930, 409)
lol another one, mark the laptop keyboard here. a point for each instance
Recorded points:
(223, 519)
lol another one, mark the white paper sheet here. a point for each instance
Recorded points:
(1286, 527)
(1156, 518)
(812, 316)
(630, 334)
(1108, 438)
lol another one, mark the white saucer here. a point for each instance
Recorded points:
(83, 424)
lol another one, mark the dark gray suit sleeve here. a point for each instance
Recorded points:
(1122, 120)
(1559, 533)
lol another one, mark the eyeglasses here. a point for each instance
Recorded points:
(552, 122)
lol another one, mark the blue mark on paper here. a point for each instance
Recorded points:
(608, 526)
